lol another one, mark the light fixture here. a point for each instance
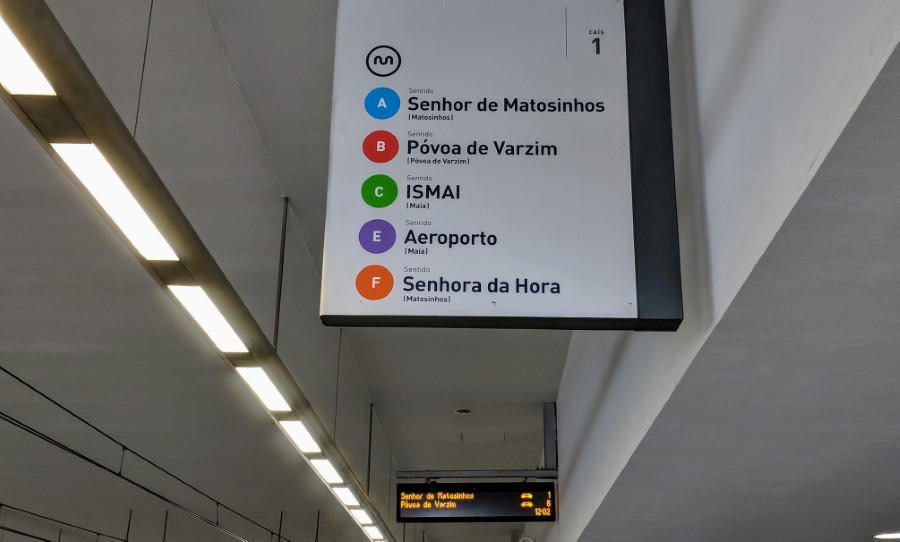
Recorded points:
(301, 437)
(361, 516)
(373, 532)
(209, 318)
(264, 389)
(346, 496)
(888, 536)
(124, 183)
(18, 72)
(95, 173)
(326, 471)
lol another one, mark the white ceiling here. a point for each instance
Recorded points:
(235, 113)
(783, 429)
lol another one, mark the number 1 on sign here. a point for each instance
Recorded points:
(596, 42)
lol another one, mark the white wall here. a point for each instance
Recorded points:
(761, 89)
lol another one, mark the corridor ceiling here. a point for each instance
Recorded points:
(234, 114)
(787, 424)
(783, 429)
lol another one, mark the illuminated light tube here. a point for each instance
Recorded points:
(361, 516)
(18, 72)
(888, 536)
(373, 532)
(326, 471)
(301, 437)
(264, 389)
(346, 496)
(95, 173)
(201, 307)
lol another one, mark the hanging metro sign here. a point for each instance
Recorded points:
(501, 164)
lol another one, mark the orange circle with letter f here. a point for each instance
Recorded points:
(374, 282)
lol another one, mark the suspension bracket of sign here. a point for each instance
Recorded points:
(501, 164)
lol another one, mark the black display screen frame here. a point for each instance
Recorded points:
(514, 489)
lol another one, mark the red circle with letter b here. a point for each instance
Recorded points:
(381, 146)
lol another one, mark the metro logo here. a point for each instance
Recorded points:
(383, 61)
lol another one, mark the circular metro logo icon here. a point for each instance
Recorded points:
(383, 61)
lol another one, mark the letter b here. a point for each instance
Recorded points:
(380, 146)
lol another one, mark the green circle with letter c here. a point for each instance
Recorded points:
(379, 191)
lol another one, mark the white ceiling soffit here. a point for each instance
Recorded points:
(785, 426)
(761, 90)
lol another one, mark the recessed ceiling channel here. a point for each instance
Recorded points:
(50, 89)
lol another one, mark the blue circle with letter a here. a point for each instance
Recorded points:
(382, 103)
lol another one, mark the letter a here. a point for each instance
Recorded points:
(381, 104)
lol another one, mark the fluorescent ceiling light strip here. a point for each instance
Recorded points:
(301, 437)
(326, 471)
(95, 173)
(361, 516)
(373, 532)
(264, 389)
(346, 496)
(18, 72)
(20, 75)
(888, 536)
(201, 307)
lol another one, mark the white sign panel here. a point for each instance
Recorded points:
(480, 161)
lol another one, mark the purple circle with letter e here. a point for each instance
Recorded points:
(377, 236)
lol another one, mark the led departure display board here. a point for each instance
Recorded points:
(422, 503)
